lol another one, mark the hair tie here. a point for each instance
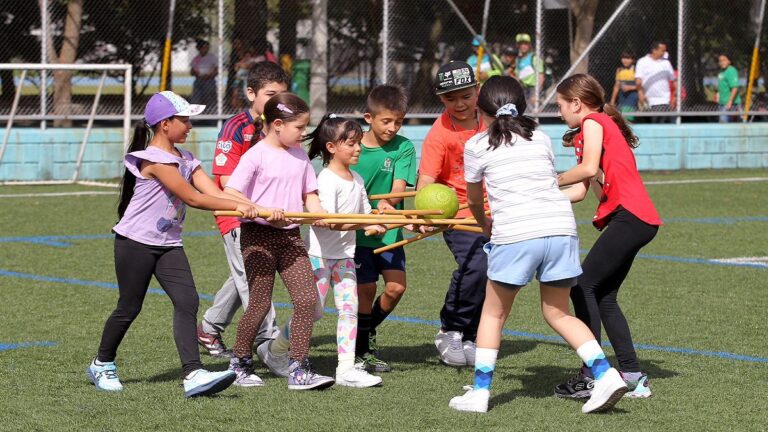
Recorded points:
(602, 107)
(284, 108)
(332, 116)
(507, 110)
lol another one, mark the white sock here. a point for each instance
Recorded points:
(282, 342)
(346, 363)
(191, 374)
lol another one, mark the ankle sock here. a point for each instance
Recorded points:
(485, 363)
(631, 376)
(594, 357)
(282, 343)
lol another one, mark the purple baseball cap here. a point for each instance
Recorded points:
(167, 104)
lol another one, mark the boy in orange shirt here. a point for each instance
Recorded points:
(442, 161)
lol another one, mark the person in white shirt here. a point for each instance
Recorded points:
(204, 68)
(533, 232)
(653, 74)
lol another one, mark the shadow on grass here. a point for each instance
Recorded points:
(415, 356)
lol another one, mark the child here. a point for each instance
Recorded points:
(277, 173)
(625, 87)
(237, 135)
(442, 161)
(160, 181)
(602, 139)
(516, 163)
(331, 253)
(387, 164)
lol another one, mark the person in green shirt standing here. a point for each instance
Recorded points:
(387, 164)
(727, 96)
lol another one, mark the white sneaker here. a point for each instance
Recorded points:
(357, 377)
(469, 352)
(244, 375)
(278, 365)
(606, 392)
(449, 346)
(104, 376)
(472, 401)
(204, 383)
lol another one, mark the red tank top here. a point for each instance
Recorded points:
(622, 185)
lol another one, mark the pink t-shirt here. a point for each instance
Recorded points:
(272, 177)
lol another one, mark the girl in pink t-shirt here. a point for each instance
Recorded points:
(277, 174)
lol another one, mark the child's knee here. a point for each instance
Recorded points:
(395, 290)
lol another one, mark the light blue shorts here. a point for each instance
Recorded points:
(552, 259)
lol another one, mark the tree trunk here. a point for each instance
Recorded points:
(424, 89)
(584, 12)
(62, 87)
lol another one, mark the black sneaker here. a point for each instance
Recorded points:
(578, 387)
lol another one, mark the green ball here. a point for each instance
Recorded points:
(437, 197)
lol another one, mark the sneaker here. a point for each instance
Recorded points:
(104, 376)
(638, 389)
(277, 364)
(369, 362)
(472, 401)
(302, 377)
(357, 377)
(204, 383)
(212, 343)
(606, 392)
(243, 369)
(469, 351)
(451, 350)
(578, 387)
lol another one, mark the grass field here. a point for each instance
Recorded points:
(700, 326)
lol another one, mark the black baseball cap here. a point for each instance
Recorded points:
(456, 75)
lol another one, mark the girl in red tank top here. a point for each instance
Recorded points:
(603, 143)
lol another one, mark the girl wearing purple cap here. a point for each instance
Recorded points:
(160, 180)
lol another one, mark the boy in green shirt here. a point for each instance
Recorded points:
(727, 95)
(387, 164)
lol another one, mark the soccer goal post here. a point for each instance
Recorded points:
(88, 83)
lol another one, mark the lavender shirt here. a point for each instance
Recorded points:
(155, 216)
(273, 177)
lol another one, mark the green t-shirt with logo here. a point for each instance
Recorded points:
(380, 167)
(727, 80)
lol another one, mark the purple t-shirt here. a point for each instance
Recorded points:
(155, 216)
(272, 177)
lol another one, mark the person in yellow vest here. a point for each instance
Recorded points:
(490, 65)
(528, 67)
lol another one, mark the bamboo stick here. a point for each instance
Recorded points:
(403, 221)
(410, 240)
(406, 194)
(303, 215)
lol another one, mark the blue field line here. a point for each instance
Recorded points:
(13, 346)
(409, 320)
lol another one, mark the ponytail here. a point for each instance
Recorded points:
(141, 137)
(504, 98)
(334, 129)
(623, 125)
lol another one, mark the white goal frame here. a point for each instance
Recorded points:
(104, 68)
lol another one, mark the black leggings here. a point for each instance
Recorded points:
(135, 263)
(605, 268)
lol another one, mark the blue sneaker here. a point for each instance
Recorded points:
(638, 389)
(204, 383)
(104, 376)
(302, 377)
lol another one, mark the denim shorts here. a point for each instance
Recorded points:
(369, 266)
(551, 259)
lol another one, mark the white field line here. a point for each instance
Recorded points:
(695, 181)
(58, 194)
(760, 261)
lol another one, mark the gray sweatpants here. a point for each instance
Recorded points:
(234, 293)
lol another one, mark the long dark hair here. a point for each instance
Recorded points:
(142, 134)
(261, 74)
(591, 93)
(497, 92)
(331, 129)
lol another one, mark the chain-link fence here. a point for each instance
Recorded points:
(369, 42)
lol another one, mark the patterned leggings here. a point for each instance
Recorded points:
(267, 250)
(339, 274)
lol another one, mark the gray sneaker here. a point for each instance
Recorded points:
(277, 364)
(243, 368)
(302, 377)
(450, 347)
(469, 351)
